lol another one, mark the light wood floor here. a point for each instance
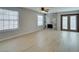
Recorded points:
(43, 41)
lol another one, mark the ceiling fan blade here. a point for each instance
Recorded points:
(47, 10)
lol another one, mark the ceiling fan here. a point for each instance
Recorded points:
(44, 9)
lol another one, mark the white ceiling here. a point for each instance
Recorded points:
(55, 9)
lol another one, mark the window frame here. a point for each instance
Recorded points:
(77, 27)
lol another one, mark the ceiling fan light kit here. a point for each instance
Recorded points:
(43, 9)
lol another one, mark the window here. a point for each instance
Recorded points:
(8, 19)
(40, 20)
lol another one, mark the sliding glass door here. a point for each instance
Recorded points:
(69, 22)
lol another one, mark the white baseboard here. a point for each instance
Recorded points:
(17, 35)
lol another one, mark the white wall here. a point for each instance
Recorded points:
(27, 23)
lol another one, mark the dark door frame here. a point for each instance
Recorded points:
(69, 22)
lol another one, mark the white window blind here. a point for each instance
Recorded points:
(8, 19)
(40, 20)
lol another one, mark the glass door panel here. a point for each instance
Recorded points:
(73, 22)
(65, 22)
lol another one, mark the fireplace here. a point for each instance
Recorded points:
(49, 26)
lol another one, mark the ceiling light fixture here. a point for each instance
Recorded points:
(44, 9)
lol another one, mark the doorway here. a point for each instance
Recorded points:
(69, 22)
